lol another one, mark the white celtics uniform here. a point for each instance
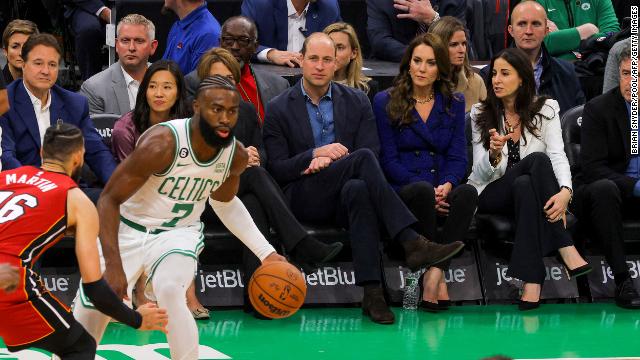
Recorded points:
(163, 216)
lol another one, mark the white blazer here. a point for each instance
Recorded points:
(550, 143)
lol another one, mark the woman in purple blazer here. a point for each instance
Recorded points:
(423, 152)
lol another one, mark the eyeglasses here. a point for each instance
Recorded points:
(242, 41)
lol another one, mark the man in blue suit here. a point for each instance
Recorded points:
(37, 103)
(392, 24)
(321, 143)
(284, 24)
(88, 19)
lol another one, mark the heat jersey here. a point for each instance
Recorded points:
(178, 196)
(33, 217)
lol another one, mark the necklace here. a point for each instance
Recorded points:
(423, 101)
(509, 128)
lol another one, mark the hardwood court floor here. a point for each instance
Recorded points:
(465, 332)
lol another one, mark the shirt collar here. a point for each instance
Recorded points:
(35, 101)
(327, 95)
(128, 78)
(193, 16)
(291, 10)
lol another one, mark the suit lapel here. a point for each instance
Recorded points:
(263, 87)
(301, 116)
(56, 110)
(120, 88)
(312, 21)
(281, 21)
(24, 108)
(622, 118)
(339, 113)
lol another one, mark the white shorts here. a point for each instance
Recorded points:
(141, 252)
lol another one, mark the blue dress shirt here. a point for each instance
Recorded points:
(190, 37)
(321, 118)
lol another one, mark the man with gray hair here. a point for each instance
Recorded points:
(607, 186)
(115, 89)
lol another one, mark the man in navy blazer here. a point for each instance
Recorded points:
(37, 103)
(284, 24)
(392, 24)
(321, 141)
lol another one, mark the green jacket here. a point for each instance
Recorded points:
(568, 14)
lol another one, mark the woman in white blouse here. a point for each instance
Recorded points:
(520, 170)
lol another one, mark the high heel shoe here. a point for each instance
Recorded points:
(579, 271)
(524, 305)
(427, 306)
(444, 304)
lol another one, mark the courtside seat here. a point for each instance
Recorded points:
(571, 122)
(104, 124)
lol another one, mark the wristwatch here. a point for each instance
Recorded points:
(570, 192)
(436, 17)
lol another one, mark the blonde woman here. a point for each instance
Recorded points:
(349, 59)
(452, 33)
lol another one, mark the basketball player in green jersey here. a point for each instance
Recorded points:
(150, 211)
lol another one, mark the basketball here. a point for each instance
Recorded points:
(277, 289)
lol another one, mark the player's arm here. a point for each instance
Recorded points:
(9, 277)
(234, 214)
(82, 215)
(153, 154)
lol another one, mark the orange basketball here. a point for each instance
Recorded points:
(277, 289)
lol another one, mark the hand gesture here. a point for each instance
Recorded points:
(289, 58)
(9, 277)
(556, 207)
(153, 318)
(552, 26)
(416, 10)
(317, 164)
(254, 156)
(442, 192)
(333, 151)
(496, 142)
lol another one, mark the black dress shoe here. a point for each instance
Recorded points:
(375, 307)
(627, 296)
(444, 304)
(421, 252)
(311, 250)
(528, 305)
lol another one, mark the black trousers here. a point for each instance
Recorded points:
(600, 209)
(420, 198)
(74, 343)
(89, 35)
(354, 193)
(264, 200)
(521, 193)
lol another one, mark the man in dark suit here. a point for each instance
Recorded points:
(283, 25)
(392, 24)
(37, 103)
(239, 36)
(321, 143)
(608, 183)
(88, 19)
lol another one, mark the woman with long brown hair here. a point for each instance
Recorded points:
(466, 81)
(520, 170)
(423, 152)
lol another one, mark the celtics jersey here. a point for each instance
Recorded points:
(178, 196)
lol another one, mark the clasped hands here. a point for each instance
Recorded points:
(416, 10)
(324, 156)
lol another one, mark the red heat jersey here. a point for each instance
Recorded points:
(33, 218)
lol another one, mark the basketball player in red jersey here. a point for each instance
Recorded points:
(37, 208)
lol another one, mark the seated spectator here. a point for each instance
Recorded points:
(424, 153)
(391, 25)
(161, 98)
(465, 80)
(37, 103)
(570, 22)
(280, 41)
(321, 144)
(114, 90)
(88, 19)
(520, 168)
(609, 177)
(349, 59)
(258, 87)
(612, 69)
(195, 32)
(259, 192)
(13, 37)
(553, 77)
